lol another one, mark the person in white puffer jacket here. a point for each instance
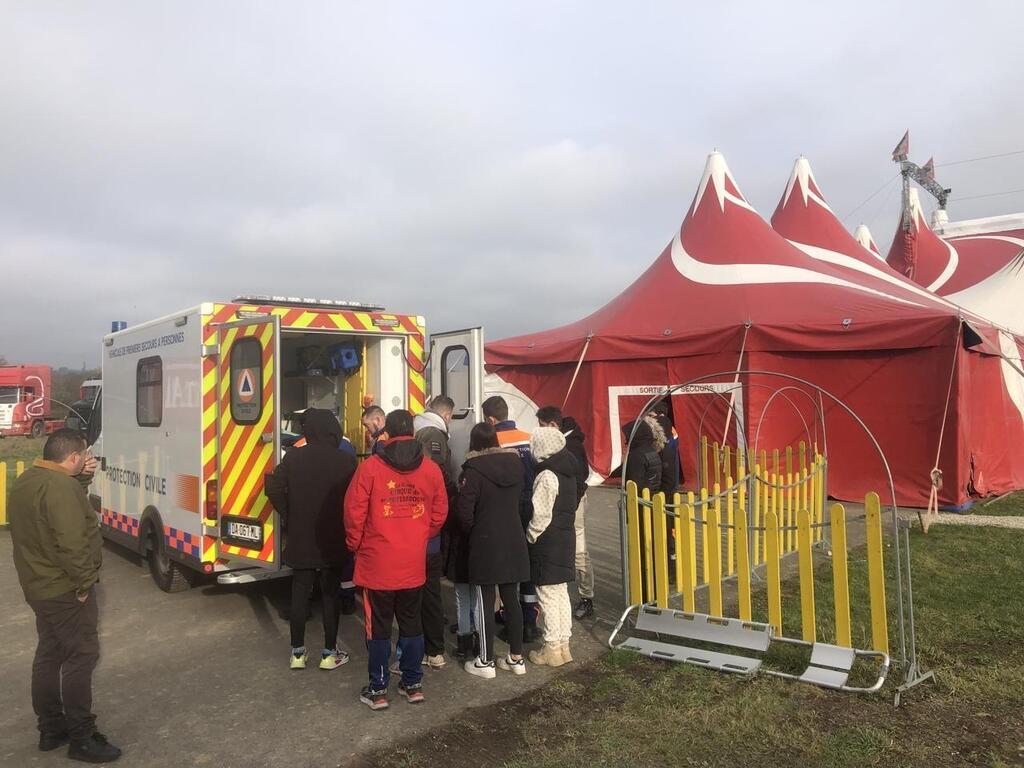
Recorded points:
(552, 538)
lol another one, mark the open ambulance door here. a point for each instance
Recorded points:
(248, 440)
(457, 370)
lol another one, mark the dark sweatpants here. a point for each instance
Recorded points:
(302, 585)
(433, 608)
(68, 649)
(513, 618)
(380, 609)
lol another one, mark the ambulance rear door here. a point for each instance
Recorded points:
(248, 440)
(457, 370)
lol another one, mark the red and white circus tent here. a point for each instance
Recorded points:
(978, 264)
(730, 293)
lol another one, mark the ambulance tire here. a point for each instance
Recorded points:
(37, 429)
(168, 575)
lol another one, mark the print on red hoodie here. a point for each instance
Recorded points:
(395, 503)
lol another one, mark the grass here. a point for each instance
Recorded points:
(625, 709)
(1010, 505)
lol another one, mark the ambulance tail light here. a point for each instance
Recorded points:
(210, 502)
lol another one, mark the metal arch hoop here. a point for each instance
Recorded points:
(782, 391)
(730, 403)
(912, 673)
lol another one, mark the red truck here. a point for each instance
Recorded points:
(25, 401)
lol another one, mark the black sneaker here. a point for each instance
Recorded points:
(412, 692)
(95, 749)
(50, 741)
(584, 608)
(374, 699)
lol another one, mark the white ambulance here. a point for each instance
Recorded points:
(195, 405)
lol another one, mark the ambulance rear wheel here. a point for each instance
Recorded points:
(168, 575)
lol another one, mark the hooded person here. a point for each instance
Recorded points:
(552, 537)
(643, 461)
(497, 558)
(574, 442)
(394, 505)
(551, 416)
(431, 430)
(496, 413)
(671, 473)
(306, 489)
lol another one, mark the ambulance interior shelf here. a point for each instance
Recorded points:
(320, 375)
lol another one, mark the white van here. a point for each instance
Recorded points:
(192, 407)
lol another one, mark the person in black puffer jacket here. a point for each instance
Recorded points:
(551, 416)
(307, 489)
(643, 464)
(552, 536)
(497, 558)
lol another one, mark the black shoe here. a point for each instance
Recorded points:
(373, 698)
(584, 608)
(50, 741)
(95, 749)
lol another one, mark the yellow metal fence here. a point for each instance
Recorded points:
(19, 467)
(747, 528)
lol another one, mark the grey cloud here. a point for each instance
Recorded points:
(511, 167)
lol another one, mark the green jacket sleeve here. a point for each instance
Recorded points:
(64, 511)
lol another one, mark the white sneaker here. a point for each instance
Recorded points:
(434, 662)
(480, 668)
(515, 666)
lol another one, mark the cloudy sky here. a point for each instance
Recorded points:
(509, 166)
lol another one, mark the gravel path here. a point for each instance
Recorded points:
(996, 521)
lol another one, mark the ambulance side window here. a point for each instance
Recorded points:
(455, 378)
(149, 392)
(246, 381)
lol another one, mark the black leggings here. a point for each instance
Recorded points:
(302, 585)
(513, 618)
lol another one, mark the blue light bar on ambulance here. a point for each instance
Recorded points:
(293, 301)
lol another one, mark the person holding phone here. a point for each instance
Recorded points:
(58, 554)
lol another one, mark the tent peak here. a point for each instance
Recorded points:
(719, 177)
(863, 236)
(802, 178)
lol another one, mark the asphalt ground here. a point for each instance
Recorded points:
(201, 678)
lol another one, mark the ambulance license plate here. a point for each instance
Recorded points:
(242, 532)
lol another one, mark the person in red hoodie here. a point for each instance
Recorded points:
(394, 504)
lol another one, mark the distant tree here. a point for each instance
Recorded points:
(3, 360)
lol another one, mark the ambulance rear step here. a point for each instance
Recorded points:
(251, 575)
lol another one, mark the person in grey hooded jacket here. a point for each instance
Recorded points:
(431, 430)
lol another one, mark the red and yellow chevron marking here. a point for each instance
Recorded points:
(417, 379)
(244, 457)
(209, 390)
(325, 319)
(231, 446)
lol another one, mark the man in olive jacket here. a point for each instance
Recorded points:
(57, 553)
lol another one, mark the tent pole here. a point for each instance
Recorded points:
(735, 380)
(579, 363)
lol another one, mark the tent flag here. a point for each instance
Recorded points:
(902, 149)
